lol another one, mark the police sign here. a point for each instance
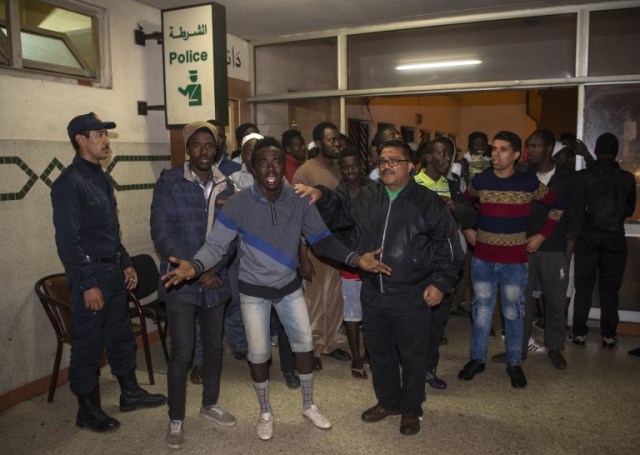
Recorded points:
(195, 67)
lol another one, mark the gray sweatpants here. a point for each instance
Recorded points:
(551, 270)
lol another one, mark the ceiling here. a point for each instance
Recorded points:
(266, 19)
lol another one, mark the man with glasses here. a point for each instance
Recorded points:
(186, 202)
(420, 243)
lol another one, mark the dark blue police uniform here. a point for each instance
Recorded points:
(88, 242)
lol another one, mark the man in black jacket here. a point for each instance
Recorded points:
(601, 250)
(550, 263)
(421, 245)
(436, 157)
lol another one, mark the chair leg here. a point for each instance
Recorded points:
(54, 374)
(147, 355)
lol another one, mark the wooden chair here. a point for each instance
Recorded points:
(53, 293)
(148, 280)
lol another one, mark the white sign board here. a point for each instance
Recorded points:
(237, 58)
(189, 70)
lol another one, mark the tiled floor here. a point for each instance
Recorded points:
(591, 408)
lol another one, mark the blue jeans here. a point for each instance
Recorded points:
(486, 277)
(292, 311)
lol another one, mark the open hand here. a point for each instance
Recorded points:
(303, 190)
(369, 263)
(184, 271)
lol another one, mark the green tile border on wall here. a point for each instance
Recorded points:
(32, 177)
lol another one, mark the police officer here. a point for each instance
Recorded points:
(99, 272)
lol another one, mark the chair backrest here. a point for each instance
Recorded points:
(53, 292)
(148, 275)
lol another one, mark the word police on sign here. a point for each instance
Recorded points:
(195, 69)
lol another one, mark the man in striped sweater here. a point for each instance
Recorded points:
(505, 198)
(268, 219)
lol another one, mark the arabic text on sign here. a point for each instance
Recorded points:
(201, 30)
(233, 58)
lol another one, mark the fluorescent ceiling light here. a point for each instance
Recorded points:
(440, 64)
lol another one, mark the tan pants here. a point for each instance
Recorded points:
(324, 301)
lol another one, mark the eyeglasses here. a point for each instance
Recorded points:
(392, 162)
(197, 147)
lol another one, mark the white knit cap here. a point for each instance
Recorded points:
(250, 136)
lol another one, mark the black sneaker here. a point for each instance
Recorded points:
(578, 340)
(434, 381)
(518, 379)
(557, 359)
(292, 379)
(472, 368)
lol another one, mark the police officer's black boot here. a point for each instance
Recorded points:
(91, 415)
(133, 397)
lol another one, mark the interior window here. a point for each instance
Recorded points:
(52, 38)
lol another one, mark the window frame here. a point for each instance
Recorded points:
(14, 63)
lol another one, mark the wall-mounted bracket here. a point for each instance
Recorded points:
(144, 108)
(140, 37)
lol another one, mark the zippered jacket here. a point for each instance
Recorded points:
(180, 221)
(418, 235)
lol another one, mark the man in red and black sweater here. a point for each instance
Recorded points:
(500, 256)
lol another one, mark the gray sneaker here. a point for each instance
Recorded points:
(219, 415)
(175, 434)
(318, 419)
(265, 426)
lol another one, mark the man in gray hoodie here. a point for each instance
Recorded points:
(268, 219)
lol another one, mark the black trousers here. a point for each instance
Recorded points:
(395, 327)
(437, 324)
(602, 255)
(182, 322)
(92, 332)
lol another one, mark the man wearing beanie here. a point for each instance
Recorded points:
(179, 226)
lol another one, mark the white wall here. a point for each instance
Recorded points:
(33, 121)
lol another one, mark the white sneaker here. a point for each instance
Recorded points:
(175, 434)
(318, 419)
(265, 426)
(536, 347)
(219, 415)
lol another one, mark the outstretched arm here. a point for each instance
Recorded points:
(184, 271)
